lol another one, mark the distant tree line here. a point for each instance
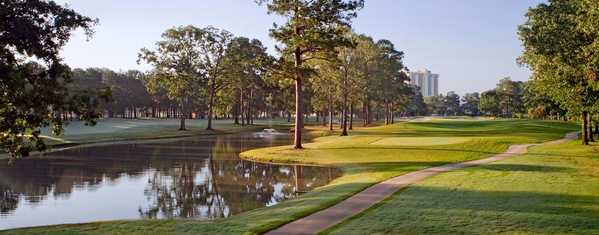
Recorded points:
(509, 99)
(322, 69)
(367, 83)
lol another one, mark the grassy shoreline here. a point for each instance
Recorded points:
(363, 164)
(78, 135)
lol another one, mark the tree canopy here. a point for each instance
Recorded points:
(560, 47)
(33, 85)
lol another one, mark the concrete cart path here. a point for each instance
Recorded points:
(319, 221)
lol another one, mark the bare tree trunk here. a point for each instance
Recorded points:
(386, 113)
(182, 124)
(391, 113)
(364, 114)
(211, 103)
(344, 109)
(250, 104)
(351, 117)
(344, 120)
(299, 104)
(585, 134)
(242, 107)
(331, 119)
(236, 108)
(368, 114)
(591, 138)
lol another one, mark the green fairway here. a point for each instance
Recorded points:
(420, 141)
(551, 190)
(362, 162)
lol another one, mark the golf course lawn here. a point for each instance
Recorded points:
(552, 190)
(362, 162)
(110, 130)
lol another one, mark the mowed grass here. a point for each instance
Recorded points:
(363, 164)
(116, 129)
(420, 141)
(552, 190)
(111, 130)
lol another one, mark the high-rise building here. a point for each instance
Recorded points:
(427, 81)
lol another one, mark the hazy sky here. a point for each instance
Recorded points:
(470, 43)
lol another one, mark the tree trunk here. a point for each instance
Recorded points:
(211, 103)
(591, 138)
(351, 117)
(236, 110)
(585, 134)
(250, 103)
(368, 114)
(392, 114)
(344, 120)
(299, 114)
(386, 113)
(344, 108)
(597, 128)
(364, 114)
(182, 124)
(299, 104)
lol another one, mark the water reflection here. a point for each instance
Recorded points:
(192, 178)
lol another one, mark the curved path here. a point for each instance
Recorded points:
(326, 218)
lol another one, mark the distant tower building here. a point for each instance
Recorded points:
(427, 81)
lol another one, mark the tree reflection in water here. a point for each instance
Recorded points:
(190, 178)
(223, 184)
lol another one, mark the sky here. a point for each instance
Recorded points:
(470, 43)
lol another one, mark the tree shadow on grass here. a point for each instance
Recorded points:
(522, 167)
(376, 147)
(398, 167)
(442, 210)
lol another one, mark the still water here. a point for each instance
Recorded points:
(199, 177)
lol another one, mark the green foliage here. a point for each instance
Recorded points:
(489, 103)
(508, 98)
(539, 104)
(443, 104)
(312, 29)
(470, 104)
(245, 68)
(34, 94)
(560, 47)
(177, 67)
(187, 62)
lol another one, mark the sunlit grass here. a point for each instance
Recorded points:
(552, 190)
(363, 164)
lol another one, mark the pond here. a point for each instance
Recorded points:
(200, 177)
